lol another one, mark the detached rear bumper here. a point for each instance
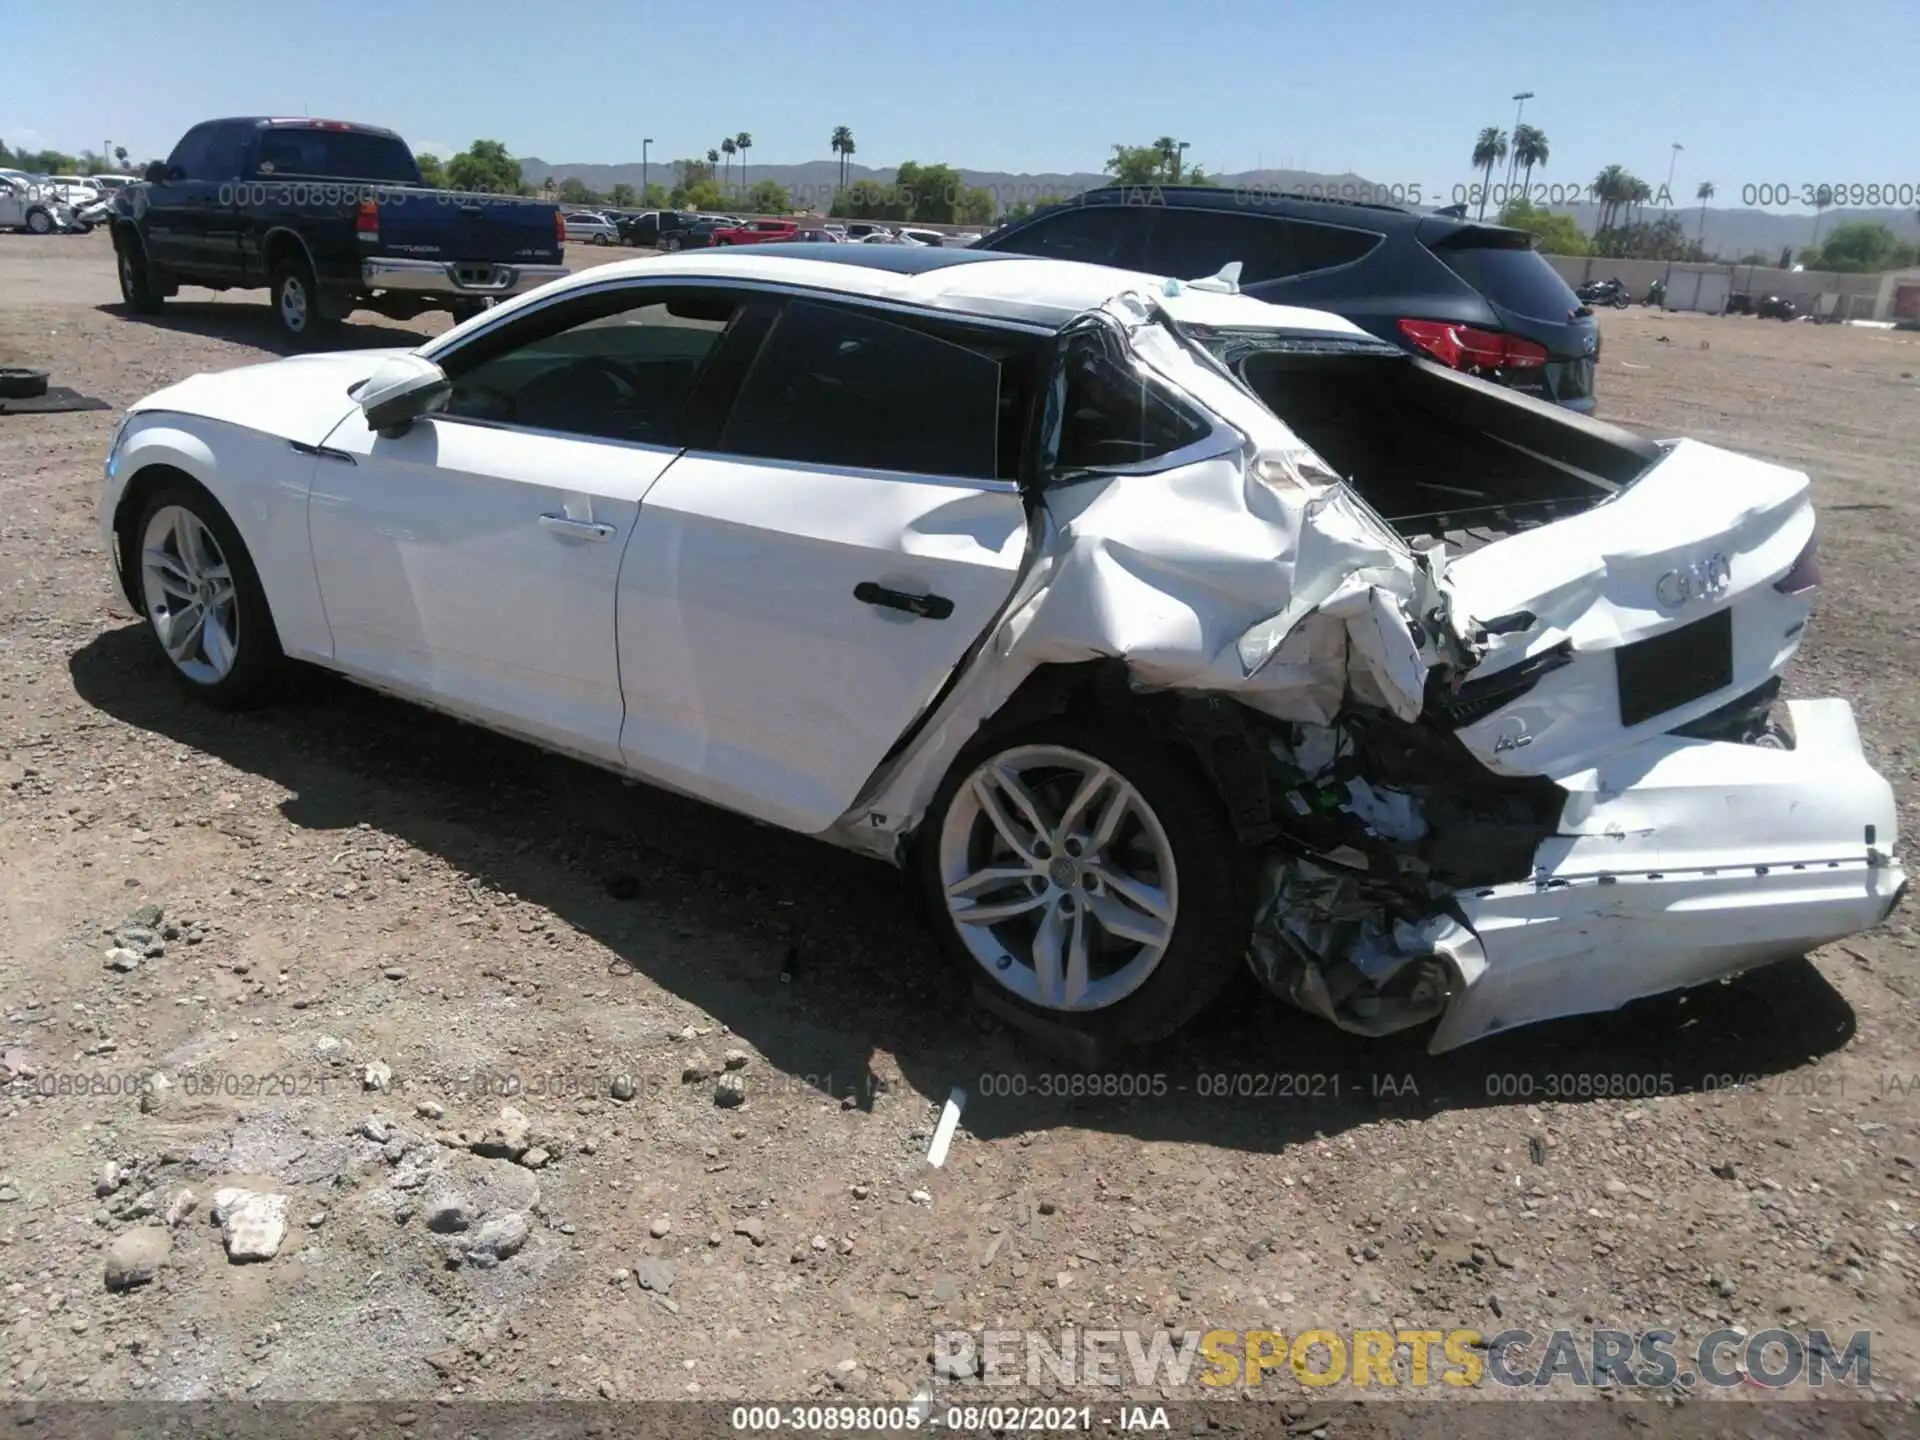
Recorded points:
(476, 279)
(1680, 862)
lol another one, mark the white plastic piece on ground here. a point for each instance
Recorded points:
(943, 1132)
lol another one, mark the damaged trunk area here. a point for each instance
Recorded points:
(1438, 453)
(1364, 830)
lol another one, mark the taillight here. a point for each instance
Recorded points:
(1462, 347)
(559, 230)
(1804, 575)
(366, 223)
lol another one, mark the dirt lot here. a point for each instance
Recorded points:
(345, 881)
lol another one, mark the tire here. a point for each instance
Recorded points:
(136, 278)
(669, 244)
(1172, 820)
(250, 668)
(600, 240)
(39, 222)
(296, 308)
(21, 384)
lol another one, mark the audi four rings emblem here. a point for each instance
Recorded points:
(1701, 580)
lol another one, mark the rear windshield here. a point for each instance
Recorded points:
(337, 154)
(1518, 280)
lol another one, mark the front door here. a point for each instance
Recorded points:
(472, 561)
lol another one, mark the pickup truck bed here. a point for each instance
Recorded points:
(331, 218)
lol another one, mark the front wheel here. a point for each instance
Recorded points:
(1089, 877)
(600, 240)
(136, 279)
(39, 222)
(669, 244)
(1620, 302)
(203, 599)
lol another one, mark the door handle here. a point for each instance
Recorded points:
(930, 607)
(577, 529)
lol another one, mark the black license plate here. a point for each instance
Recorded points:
(1675, 669)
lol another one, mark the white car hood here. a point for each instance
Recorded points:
(300, 398)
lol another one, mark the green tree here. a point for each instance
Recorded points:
(1039, 202)
(1138, 165)
(432, 171)
(1822, 198)
(1753, 257)
(1488, 151)
(1529, 150)
(1553, 234)
(728, 149)
(656, 196)
(120, 156)
(691, 172)
(1609, 191)
(843, 149)
(621, 195)
(1860, 247)
(869, 200)
(486, 168)
(768, 197)
(574, 192)
(743, 142)
(975, 207)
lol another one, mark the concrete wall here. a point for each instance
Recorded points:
(1858, 293)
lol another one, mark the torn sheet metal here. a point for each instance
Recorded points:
(1281, 589)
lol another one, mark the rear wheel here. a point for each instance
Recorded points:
(1089, 878)
(204, 604)
(669, 243)
(296, 303)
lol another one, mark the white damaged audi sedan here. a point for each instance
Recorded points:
(1157, 630)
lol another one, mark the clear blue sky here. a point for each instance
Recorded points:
(1757, 91)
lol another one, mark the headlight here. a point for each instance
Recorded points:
(113, 447)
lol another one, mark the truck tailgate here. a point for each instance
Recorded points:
(449, 226)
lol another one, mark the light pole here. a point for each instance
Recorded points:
(643, 170)
(1179, 160)
(1675, 160)
(1513, 153)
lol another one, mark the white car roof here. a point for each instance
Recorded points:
(984, 283)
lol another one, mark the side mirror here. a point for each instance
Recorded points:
(400, 392)
(156, 172)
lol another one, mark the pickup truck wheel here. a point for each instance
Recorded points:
(204, 604)
(296, 303)
(136, 282)
(39, 222)
(1087, 877)
(669, 243)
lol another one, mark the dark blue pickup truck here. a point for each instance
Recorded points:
(331, 217)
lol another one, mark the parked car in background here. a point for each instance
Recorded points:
(589, 226)
(836, 230)
(79, 191)
(1475, 297)
(1135, 685)
(822, 236)
(25, 204)
(110, 184)
(329, 217)
(924, 237)
(697, 236)
(756, 232)
(861, 229)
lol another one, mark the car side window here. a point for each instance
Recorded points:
(190, 155)
(624, 373)
(1094, 234)
(1192, 244)
(226, 145)
(1112, 415)
(843, 388)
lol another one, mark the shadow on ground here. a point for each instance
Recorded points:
(738, 904)
(255, 325)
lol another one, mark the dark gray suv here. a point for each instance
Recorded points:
(1473, 296)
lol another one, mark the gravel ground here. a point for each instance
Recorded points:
(346, 934)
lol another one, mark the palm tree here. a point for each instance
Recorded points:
(743, 142)
(728, 149)
(1168, 150)
(1822, 198)
(1703, 194)
(1606, 190)
(1638, 193)
(1488, 151)
(713, 159)
(1529, 150)
(843, 147)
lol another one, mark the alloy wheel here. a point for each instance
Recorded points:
(293, 304)
(190, 595)
(1058, 877)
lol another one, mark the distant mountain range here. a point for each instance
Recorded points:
(1729, 233)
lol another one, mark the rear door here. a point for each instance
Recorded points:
(801, 585)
